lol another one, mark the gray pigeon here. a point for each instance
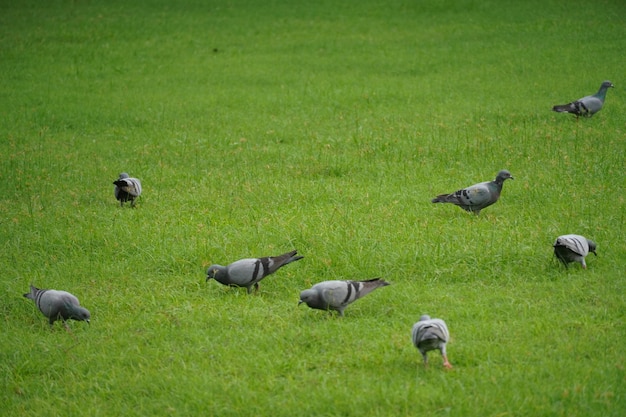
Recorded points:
(478, 196)
(337, 295)
(248, 272)
(586, 106)
(430, 334)
(58, 305)
(573, 248)
(127, 189)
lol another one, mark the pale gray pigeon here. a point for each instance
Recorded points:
(58, 305)
(573, 248)
(478, 196)
(586, 106)
(430, 334)
(337, 295)
(127, 189)
(248, 272)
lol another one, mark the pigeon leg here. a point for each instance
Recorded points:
(446, 363)
(67, 327)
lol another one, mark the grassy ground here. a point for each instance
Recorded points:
(259, 127)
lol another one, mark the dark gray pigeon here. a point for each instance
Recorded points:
(573, 248)
(478, 196)
(127, 189)
(58, 305)
(248, 272)
(586, 106)
(337, 295)
(431, 334)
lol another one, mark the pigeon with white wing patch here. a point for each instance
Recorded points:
(573, 248)
(127, 189)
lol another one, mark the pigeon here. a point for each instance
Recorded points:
(248, 272)
(573, 248)
(58, 305)
(478, 196)
(127, 189)
(586, 106)
(337, 295)
(430, 334)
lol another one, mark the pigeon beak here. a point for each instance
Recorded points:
(300, 302)
(88, 322)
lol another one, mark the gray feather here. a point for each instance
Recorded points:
(586, 106)
(337, 295)
(58, 305)
(127, 189)
(478, 196)
(573, 248)
(248, 272)
(431, 334)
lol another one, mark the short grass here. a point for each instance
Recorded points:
(258, 127)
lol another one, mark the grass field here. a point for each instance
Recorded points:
(258, 127)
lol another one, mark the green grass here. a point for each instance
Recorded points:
(259, 127)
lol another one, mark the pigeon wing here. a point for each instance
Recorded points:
(576, 243)
(337, 293)
(476, 195)
(245, 272)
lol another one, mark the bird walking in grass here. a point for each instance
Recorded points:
(58, 305)
(586, 106)
(337, 295)
(431, 334)
(127, 189)
(573, 248)
(478, 196)
(248, 272)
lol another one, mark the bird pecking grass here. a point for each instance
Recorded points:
(327, 128)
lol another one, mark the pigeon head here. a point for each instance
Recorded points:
(424, 317)
(214, 271)
(124, 175)
(504, 175)
(607, 84)
(592, 246)
(78, 313)
(308, 296)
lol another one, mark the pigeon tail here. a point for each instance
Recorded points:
(445, 198)
(287, 258)
(370, 285)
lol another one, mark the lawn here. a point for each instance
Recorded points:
(259, 127)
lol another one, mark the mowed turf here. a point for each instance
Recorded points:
(259, 127)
